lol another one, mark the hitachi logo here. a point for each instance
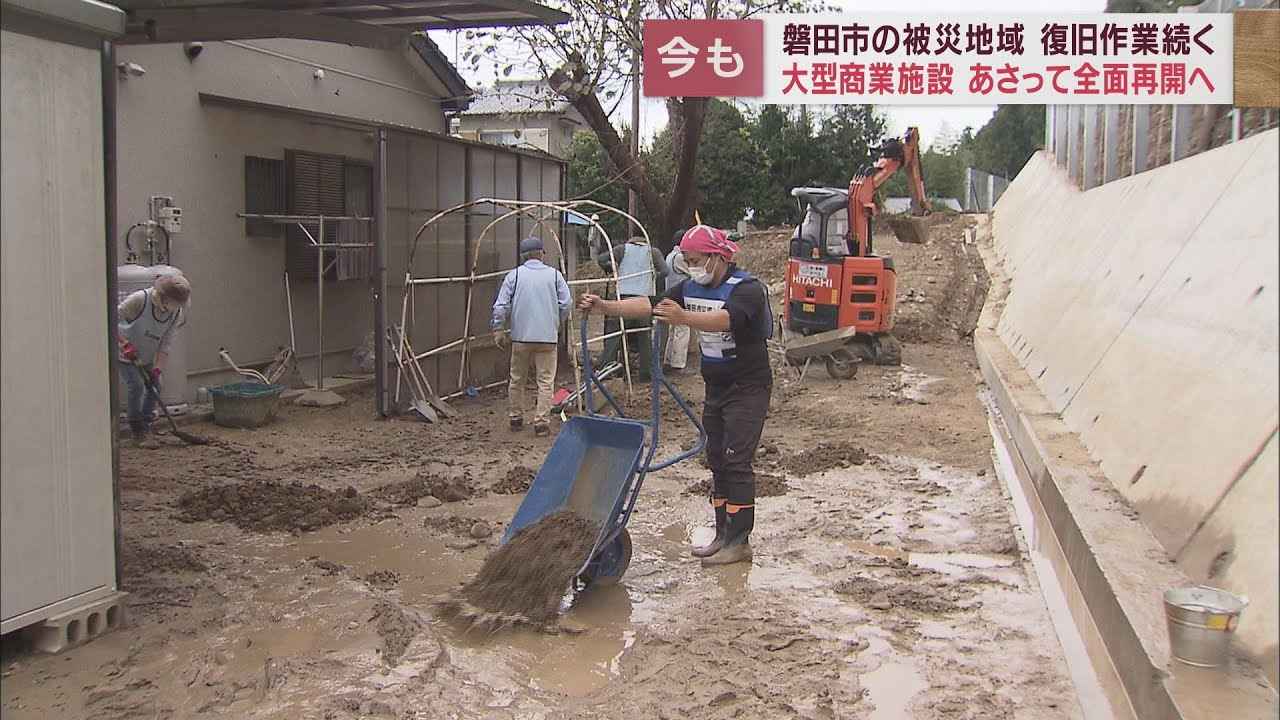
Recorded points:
(821, 282)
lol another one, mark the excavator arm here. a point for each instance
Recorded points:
(896, 155)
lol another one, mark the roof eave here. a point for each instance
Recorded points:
(458, 93)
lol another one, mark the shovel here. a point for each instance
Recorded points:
(173, 426)
(428, 392)
(416, 403)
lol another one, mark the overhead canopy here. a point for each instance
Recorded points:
(369, 23)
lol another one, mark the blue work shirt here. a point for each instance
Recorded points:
(533, 301)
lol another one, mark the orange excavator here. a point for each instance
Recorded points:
(840, 294)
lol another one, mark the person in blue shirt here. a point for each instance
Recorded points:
(532, 304)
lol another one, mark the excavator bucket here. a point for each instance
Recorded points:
(909, 229)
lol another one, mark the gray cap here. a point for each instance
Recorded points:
(531, 244)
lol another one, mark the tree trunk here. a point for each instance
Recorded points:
(685, 116)
(633, 171)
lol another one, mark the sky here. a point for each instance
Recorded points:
(933, 121)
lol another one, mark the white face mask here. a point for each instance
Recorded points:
(702, 274)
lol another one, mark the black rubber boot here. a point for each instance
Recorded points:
(737, 542)
(713, 547)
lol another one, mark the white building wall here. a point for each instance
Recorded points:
(173, 143)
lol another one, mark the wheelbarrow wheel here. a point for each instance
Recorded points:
(842, 365)
(612, 563)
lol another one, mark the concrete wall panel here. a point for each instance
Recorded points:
(1146, 312)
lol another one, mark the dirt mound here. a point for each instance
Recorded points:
(409, 492)
(137, 559)
(764, 254)
(923, 597)
(823, 457)
(450, 524)
(767, 485)
(405, 492)
(382, 579)
(941, 286)
(524, 580)
(266, 505)
(396, 628)
(517, 480)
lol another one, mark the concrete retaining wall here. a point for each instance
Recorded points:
(1146, 313)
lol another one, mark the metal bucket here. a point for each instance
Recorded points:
(1201, 622)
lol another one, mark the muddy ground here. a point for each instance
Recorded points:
(887, 583)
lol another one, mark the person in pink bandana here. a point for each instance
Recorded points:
(729, 310)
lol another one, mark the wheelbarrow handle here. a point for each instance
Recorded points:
(657, 381)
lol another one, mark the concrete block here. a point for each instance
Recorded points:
(81, 625)
(320, 398)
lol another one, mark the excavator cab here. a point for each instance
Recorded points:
(824, 229)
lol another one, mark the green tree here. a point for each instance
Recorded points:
(850, 141)
(587, 61)
(591, 176)
(1008, 139)
(732, 170)
(794, 158)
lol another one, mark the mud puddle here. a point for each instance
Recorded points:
(600, 624)
(916, 387)
(891, 688)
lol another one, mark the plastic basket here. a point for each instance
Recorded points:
(246, 404)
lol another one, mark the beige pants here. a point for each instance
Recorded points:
(678, 346)
(537, 362)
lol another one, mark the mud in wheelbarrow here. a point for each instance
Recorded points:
(590, 469)
(596, 468)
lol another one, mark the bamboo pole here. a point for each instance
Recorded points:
(514, 208)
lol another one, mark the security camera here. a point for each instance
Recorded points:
(134, 69)
(193, 49)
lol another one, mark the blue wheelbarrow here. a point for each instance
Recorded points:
(596, 468)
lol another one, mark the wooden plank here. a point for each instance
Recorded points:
(1257, 58)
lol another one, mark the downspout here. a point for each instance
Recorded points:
(380, 273)
(108, 54)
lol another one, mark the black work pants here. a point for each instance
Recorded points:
(733, 417)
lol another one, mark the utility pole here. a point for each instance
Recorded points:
(633, 200)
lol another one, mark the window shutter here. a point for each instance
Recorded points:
(316, 187)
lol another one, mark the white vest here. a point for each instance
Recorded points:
(637, 258)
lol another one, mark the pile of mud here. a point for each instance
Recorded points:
(767, 485)
(450, 524)
(524, 581)
(137, 559)
(517, 480)
(409, 492)
(825, 456)
(382, 579)
(396, 628)
(266, 505)
(935, 598)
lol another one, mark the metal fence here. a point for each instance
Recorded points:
(981, 190)
(1097, 144)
